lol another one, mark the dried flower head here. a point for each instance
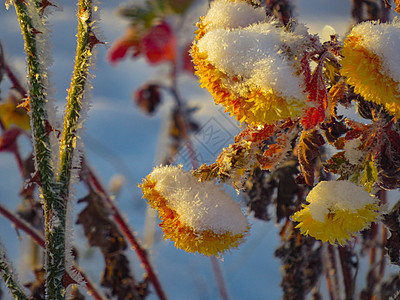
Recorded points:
(245, 62)
(336, 211)
(197, 216)
(371, 62)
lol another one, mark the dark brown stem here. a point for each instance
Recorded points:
(21, 224)
(15, 82)
(330, 271)
(382, 265)
(345, 262)
(127, 232)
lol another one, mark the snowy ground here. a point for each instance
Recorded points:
(120, 139)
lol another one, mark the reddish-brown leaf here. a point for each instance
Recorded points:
(159, 44)
(309, 144)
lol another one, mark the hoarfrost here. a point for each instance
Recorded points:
(329, 196)
(200, 205)
(382, 39)
(5, 260)
(254, 53)
(353, 153)
(230, 14)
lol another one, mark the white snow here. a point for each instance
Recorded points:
(201, 205)
(256, 54)
(329, 196)
(230, 14)
(382, 39)
(353, 153)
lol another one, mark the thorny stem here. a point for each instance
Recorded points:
(86, 41)
(54, 207)
(6, 272)
(39, 239)
(124, 227)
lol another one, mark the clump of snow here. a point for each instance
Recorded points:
(232, 14)
(256, 54)
(353, 153)
(330, 196)
(382, 39)
(200, 205)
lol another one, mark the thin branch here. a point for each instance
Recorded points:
(220, 278)
(14, 80)
(348, 280)
(85, 43)
(53, 204)
(128, 233)
(21, 224)
(39, 239)
(8, 276)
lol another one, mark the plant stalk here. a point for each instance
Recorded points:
(85, 42)
(53, 203)
(6, 272)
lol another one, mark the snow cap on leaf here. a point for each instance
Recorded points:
(371, 60)
(336, 211)
(197, 216)
(247, 63)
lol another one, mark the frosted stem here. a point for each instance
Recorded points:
(8, 276)
(39, 239)
(54, 207)
(86, 41)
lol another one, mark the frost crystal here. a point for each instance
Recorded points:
(230, 14)
(382, 39)
(201, 205)
(336, 211)
(353, 153)
(251, 66)
(254, 53)
(332, 195)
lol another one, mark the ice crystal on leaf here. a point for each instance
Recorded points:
(371, 63)
(336, 211)
(248, 66)
(197, 216)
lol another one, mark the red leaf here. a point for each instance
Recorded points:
(129, 42)
(317, 95)
(159, 44)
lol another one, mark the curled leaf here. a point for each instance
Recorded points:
(309, 144)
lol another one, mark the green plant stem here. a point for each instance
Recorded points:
(54, 207)
(86, 41)
(6, 272)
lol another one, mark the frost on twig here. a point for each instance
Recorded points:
(9, 276)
